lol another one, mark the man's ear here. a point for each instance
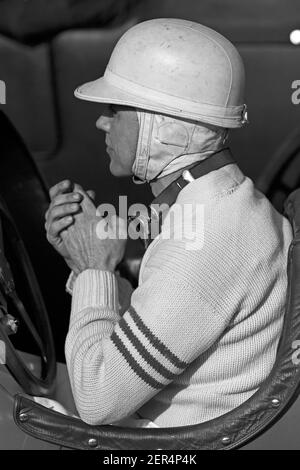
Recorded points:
(173, 133)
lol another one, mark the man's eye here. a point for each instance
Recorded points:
(112, 109)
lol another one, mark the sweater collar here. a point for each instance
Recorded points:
(162, 203)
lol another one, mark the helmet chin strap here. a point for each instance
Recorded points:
(167, 144)
(140, 166)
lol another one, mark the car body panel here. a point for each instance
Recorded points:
(11, 437)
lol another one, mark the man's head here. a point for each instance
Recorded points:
(178, 78)
(149, 145)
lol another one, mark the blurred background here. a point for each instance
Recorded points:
(48, 48)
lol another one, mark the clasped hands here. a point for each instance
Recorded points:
(71, 227)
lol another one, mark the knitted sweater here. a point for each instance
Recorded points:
(201, 332)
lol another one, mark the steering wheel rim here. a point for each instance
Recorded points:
(276, 181)
(30, 384)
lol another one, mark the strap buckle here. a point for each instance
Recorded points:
(245, 119)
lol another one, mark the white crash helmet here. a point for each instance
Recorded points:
(176, 68)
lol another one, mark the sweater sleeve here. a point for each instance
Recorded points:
(116, 364)
(125, 290)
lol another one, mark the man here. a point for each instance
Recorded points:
(201, 330)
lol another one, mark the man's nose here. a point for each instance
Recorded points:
(103, 123)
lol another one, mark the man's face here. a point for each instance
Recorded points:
(121, 126)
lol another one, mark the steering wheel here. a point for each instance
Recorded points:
(39, 329)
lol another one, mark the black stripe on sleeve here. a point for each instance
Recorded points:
(161, 347)
(133, 363)
(146, 355)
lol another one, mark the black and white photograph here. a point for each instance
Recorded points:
(149, 228)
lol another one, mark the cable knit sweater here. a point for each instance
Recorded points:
(201, 331)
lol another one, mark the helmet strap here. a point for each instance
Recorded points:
(140, 165)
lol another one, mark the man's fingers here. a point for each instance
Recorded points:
(64, 186)
(58, 212)
(63, 199)
(79, 189)
(58, 226)
(66, 198)
(91, 194)
(65, 209)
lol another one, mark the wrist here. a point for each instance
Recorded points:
(97, 266)
(95, 288)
